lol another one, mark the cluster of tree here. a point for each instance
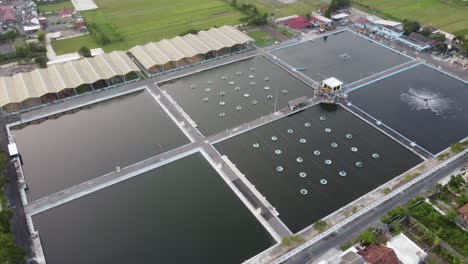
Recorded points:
(9, 252)
(9, 35)
(464, 45)
(335, 5)
(455, 189)
(253, 16)
(35, 51)
(103, 31)
(443, 226)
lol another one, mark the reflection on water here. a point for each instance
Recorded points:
(425, 99)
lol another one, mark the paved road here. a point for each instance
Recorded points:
(373, 217)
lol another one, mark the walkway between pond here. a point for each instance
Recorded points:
(109, 179)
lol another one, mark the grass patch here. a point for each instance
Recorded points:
(291, 241)
(320, 225)
(448, 15)
(411, 176)
(261, 38)
(54, 7)
(143, 21)
(285, 32)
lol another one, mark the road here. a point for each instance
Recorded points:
(373, 217)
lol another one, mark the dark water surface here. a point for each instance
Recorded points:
(424, 104)
(344, 55)
(283, 188)
(182, 212)
(74, 148)
(190, 92)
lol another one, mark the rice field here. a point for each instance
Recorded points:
(448, 15)
(142, 21)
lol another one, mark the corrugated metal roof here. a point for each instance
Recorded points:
(71, 74)
(172, 50)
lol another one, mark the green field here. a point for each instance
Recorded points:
(448, 15)
(261, 37)
(54, 7)
(142, 21)
(276, 8)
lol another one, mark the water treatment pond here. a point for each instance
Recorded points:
(422, 103)
(182, 212)
(312, 163)
(59, 153)
(227, 96)
(344, 55)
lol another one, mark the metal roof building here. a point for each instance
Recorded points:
(172, 53)
(21, 89)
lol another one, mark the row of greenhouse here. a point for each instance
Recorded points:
(59, 81)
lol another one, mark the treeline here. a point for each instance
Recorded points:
(103, 31)
(335, 5)
(253, 16)
(26, 52)
(9, 252)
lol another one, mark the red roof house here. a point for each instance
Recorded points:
(6, 13)
(379, 254)
(66, 13)
(298, 23)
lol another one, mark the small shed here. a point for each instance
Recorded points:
(297, 103)
(331, 85)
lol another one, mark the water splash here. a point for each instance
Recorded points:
(425, 99)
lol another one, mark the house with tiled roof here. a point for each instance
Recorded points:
(378, 254)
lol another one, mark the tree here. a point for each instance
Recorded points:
(367, 237)
(85, 52)
(41, 35)
(22, 50)
(451, 216)
(42, 61)
(410, 26)
(441, 47)
(426, 31)
(437, 37)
